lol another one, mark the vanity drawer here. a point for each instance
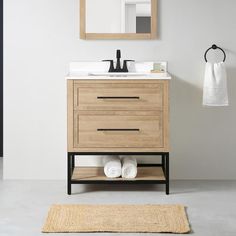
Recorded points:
(118, 131)
(118, 97)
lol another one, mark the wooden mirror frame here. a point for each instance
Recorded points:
(84, 35)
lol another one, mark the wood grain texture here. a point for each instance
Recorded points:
(118, 113)
(99, 150)
(154, 19)
(82, 19)
(110, 36)
(70, 114)
(137, 81)
(127, 36)
(87, 134)
(166, 116)
(83, 123)
(97, 173)
(136, 97)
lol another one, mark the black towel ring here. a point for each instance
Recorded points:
(214, 47)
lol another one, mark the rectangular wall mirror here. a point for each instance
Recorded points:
(118, 19)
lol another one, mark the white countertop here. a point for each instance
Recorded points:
(161, 76)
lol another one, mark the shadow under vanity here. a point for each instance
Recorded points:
(118, 115)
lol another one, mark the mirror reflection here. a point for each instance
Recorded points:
(118, 16)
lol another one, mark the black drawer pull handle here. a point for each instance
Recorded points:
(118, 130)
(118, 97)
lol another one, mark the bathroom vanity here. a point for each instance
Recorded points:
(126, 115)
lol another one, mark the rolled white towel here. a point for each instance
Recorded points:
(112, 166)
(129, 167)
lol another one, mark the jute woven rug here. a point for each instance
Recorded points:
(117, 218)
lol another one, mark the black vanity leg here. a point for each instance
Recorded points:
(163, 162)
(69, 156)
(73, 163)
(167, 172)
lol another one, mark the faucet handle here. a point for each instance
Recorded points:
(125, 68)
(118, 54)
(111, 69)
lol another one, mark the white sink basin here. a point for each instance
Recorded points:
(103, 67)
(76, 68)
(114, 74)
(99, 70)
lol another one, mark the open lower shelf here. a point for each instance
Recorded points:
(96, 173)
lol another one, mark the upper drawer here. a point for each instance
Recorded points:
(118, 96)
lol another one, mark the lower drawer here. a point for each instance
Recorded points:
(117, 131)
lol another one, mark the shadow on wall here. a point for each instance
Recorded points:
(201, 137)
(231, 72)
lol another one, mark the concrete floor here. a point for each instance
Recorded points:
(211, 205)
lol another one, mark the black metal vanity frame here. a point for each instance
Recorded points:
(164, 164)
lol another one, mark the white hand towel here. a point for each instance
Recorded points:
(215, 85)
(112, 166)
(129, 167)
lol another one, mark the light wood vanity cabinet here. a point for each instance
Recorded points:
(118, 116)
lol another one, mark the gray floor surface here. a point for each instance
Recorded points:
(211, 205)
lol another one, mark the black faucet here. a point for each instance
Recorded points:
(118, 64)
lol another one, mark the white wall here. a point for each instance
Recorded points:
(42, 36)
